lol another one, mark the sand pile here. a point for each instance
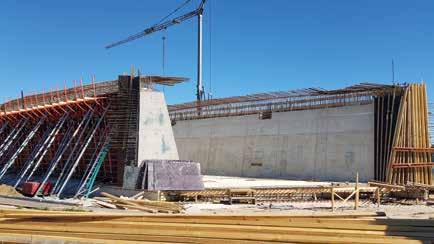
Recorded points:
(6, 190)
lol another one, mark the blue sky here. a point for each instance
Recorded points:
(252, 46)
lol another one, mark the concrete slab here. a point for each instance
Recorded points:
(219, 182)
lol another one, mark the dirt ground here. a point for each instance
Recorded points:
(9, 191)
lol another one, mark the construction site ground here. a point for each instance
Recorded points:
(399, 208)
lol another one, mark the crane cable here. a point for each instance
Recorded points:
(174, 11)
(164, 33)
(210, 95)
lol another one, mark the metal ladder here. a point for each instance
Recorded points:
(89, 180)
(94, 156)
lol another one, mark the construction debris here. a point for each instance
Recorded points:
(142, 205)
(38, 203)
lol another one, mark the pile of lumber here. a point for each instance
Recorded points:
(111, 201)
(24, 225)
(410, 156)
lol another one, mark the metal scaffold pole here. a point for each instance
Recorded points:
(4, 126)
(41, 149)
(12, 136)
(74, 166)
(89, 177)
(21, 148)
(66, 141)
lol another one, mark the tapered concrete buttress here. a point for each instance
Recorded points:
(156, 140)
(155, 136)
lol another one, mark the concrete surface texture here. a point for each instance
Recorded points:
(325, 144)
(156, 139)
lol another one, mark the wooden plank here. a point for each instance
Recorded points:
(413, 132)
(385, 185)
(425, 131)
(115, 238)
(347, 223)
(412, 165)
(404, 142)
(260, 233)
(183, 239)
(126, 202)
(413, 149)
(356, 200)
(386, 131)
(333, 199)
(391, 124)
(30, 213)
(390, 174)
(427, 139)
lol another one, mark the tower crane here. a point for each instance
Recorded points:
(162, 26)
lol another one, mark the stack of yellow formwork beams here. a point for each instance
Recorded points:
(30, 226)
(410, 159)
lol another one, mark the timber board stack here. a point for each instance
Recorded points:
(410, 157)
(25, 226)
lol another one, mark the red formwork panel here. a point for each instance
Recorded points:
(29, 188)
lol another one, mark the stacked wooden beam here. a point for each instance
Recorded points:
(410, 155)
(23, 225)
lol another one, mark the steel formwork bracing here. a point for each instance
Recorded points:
(73, 137)
(90, 132)
(52, 140)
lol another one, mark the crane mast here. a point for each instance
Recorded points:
(162, 26)
(199, 84)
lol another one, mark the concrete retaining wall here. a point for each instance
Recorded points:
(324, 144)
